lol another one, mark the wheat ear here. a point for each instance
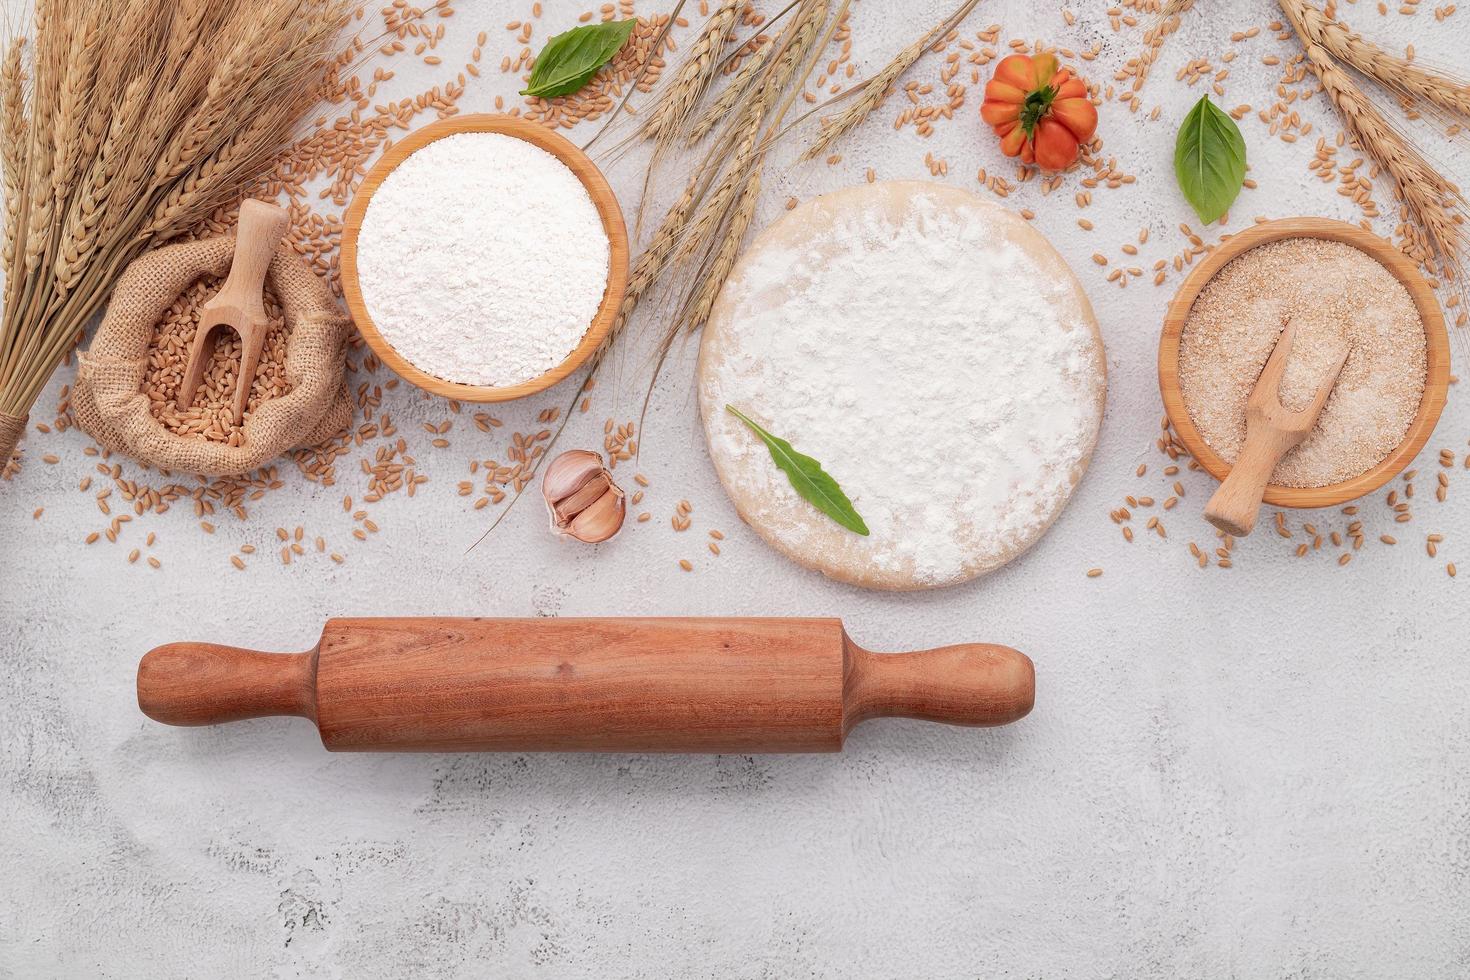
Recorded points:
(13, 142)
(738, 88)
(1432, 197)
(1432, 202)
(734, 152)
(877, 88)
(1389, 70)
(48, 69)
(715, 208)
(653, 259)
(702, 300)
(719, 229)
(688, 87)
(671, 112)
(71, 106)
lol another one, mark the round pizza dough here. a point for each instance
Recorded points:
(938, 358)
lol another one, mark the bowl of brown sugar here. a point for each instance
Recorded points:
(1343, 288)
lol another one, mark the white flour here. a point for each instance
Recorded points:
(943, 376)
(482, 259)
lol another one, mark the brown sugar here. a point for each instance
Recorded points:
(1336, 296)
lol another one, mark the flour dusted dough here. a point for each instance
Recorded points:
(934, 352)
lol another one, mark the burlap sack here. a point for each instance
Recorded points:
(108, 400)
(11, 429)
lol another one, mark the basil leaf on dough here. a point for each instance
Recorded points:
(814, 484)
(569, 60)
(1209, 160)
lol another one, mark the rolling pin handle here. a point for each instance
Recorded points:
(976, 684)
(206, 683)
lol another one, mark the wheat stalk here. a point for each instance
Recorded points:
(1432, 229)
(89, 217)
(1421, 185)
(1418, 179)
(736, 90)
(1389, 70)
(688, 87)
(751, 44)
(13, 141)
(744, 135)
(199, 131)
(235, 165)
(50, 52)
(653, 259)
(702, 299)
(756, 52)
(35, 204)
(739, 146)
(71, 107)
(671, 112)
(1433, 203)
(676, 237)
(793, 51)
(874, 91)
(715, 207)
(718, 229)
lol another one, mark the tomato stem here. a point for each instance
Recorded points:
(1036, 106)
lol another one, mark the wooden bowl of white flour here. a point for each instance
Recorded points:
(484, 258)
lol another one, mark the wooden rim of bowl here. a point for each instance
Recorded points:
(1436, 349)
(597, 189)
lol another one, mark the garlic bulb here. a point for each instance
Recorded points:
(582, 498)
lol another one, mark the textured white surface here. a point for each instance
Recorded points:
(1256, 772)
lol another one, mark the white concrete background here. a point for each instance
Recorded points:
(1255, 772)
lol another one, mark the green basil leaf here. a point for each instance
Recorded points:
(1209, 160)
(814, 484)
(569, 60)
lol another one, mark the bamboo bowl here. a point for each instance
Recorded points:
(602, 198)
(1437, 356)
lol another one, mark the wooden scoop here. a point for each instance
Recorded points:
(586, 685)
(240, 302)
(1270, 432)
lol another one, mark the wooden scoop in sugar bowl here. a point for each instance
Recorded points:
(1233, 509)
(1271, 431)
(240, 303)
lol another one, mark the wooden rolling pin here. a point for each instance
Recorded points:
(612, 685)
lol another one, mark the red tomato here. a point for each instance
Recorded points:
(1041, 113)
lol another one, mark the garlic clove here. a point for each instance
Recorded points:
(600, 520)
(582, 498)
(566, 474)
(579, 500)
